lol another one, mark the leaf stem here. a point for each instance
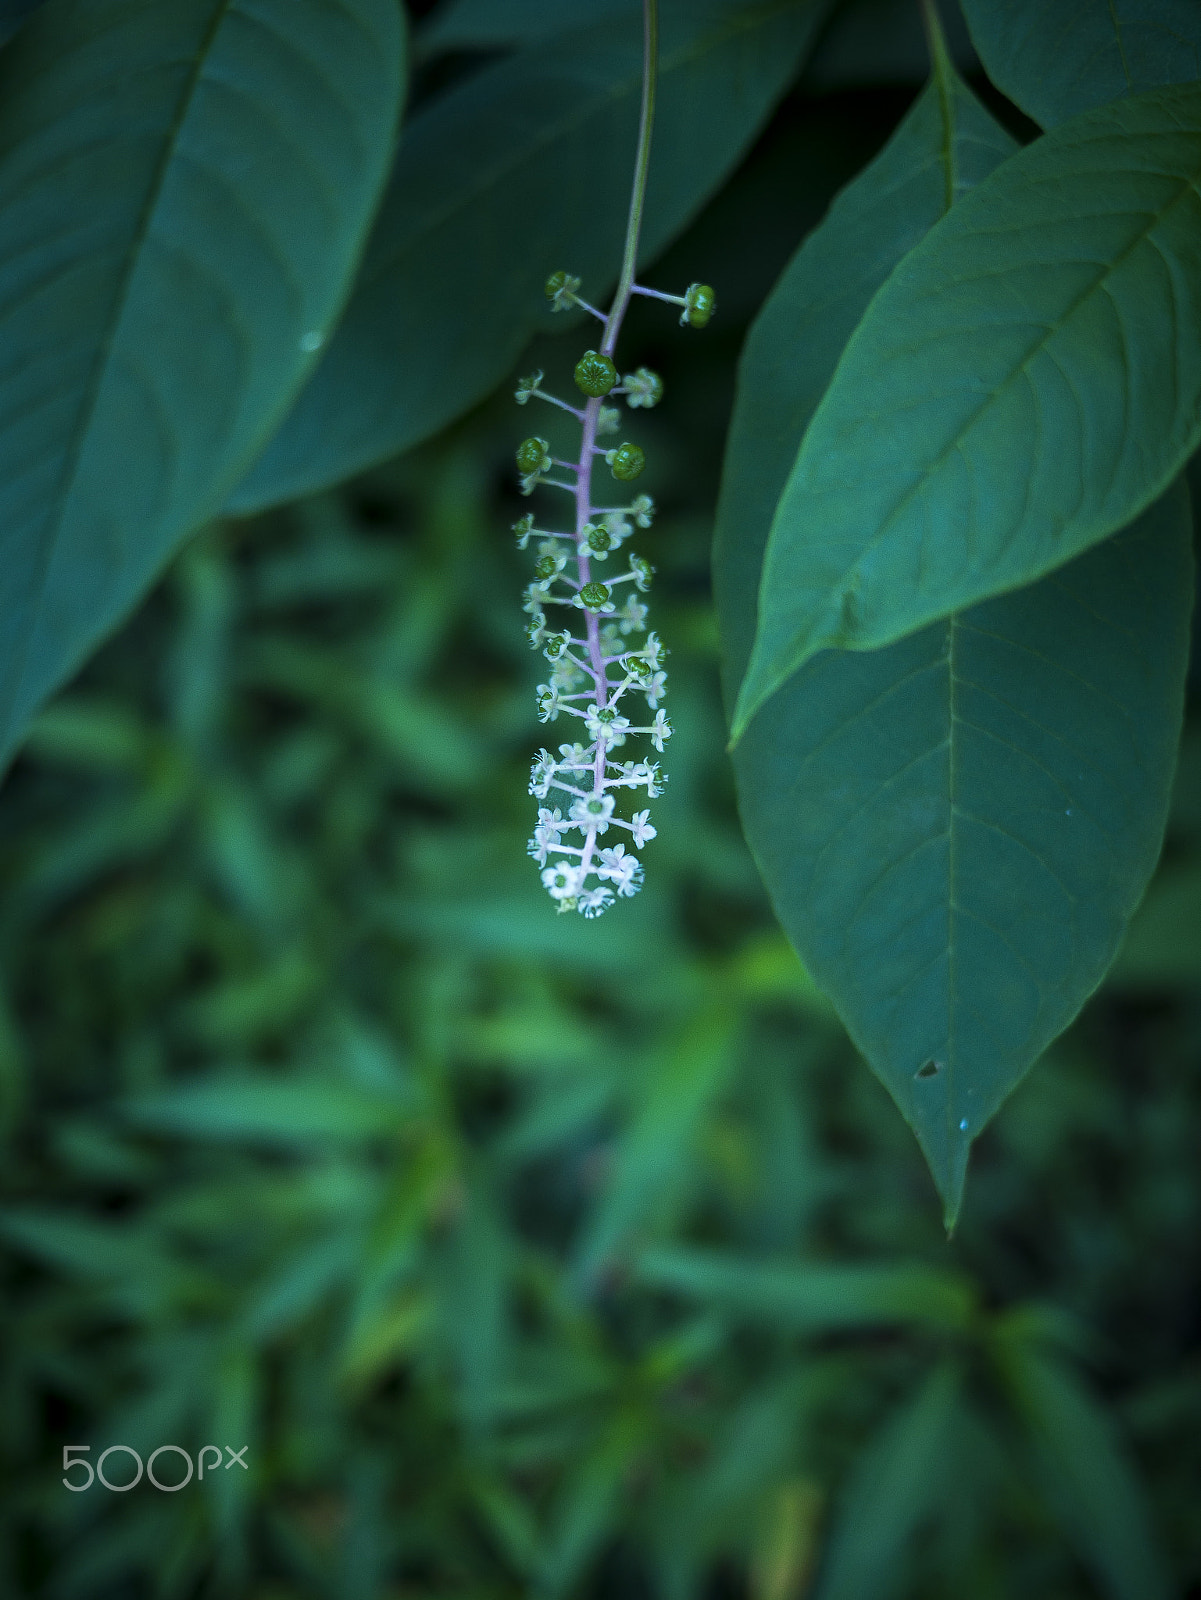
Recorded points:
(650, 67)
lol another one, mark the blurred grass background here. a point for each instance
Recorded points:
(527, 1255)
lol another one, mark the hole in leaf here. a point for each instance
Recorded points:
(930, 1070)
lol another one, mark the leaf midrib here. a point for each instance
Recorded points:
(47, 541)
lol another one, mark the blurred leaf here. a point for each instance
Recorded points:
(899, 1482)
(474, 1303)
(283, 1111)
(184, 191)
(653, 1154)
(1085, 1471)
(13, 13)
(1162, 949)
(882, 41)
(496, 24)
(1055, 58)
(1064, 285)
(811, 1297)
(556, 119)
(580, 1520)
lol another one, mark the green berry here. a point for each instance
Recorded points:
(626, 462)
(599, 539)
(595, 374)
(594, 595)
(556, 282)
(546, 567)
(699, 304)
(532, 455)
(637, 667)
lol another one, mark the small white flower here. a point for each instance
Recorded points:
(575, 757)
(536, 596)
(546, 833)
(641, 829)
(646, 772)
(660, 731)
(593, 812)
(562, 881)
(593, 901)
(541, 773)
(566, 676)
(653, 651)
(655, 688)
(643, 510)
(609, 421)
(623, 871)
(607, 725)
(548, 702)
(617, 527)
(523, 528)
(632, 616)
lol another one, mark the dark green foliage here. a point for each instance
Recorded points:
(183, 192)
(524, 1255)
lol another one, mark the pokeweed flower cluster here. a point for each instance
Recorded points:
(588, 619)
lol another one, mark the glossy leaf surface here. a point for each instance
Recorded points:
(183, 193)
(953, 829)
(1024, 384)
(1055, 58)
(522, 171)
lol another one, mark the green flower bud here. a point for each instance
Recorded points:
(643, 388)
(533, 455)
(595, 374)
(699, 305)
(626, 462)
(599, 538)
(594, 595)
(560, 289)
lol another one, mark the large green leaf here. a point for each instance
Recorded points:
(522, 170)
(184, 190)
(1055, 58)
(953, 829)
(1026, 383)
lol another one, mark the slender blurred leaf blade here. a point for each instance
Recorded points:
(184, 190)
(1086, 1472)
(259, 1108)
(811, 1297)
(1055, 58)
(897, 1485)
(907, 818)
(688, 1073)
(523, 170)
(1026, 382)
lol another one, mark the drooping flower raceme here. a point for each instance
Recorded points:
(588, 617)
